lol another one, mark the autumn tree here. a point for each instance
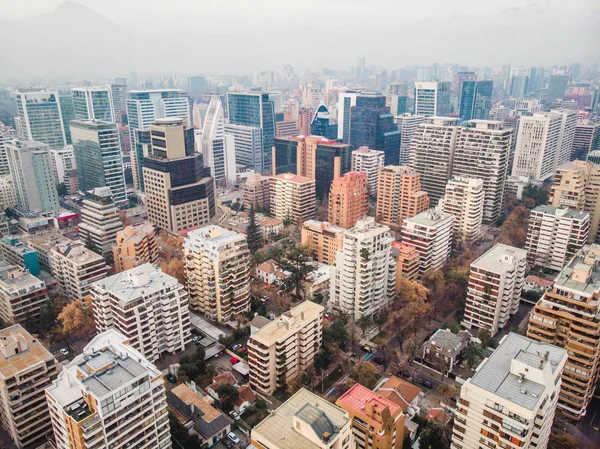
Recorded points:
(566, 441)
(514, 229)
(124, 218)
(77, 318)
(174, 267)
(411, 351)
(447, 392)
(170, 244)
(365, 374)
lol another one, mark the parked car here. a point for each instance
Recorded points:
(171, 378)
(328, 317)
(228, 443)
(64, 351)
(234, 360)
(367, 349)
(236, 346)
(264, 299)
(426, 383)
(233, 437)
(234, 415)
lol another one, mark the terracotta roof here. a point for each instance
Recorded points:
(399, 391)
(438, 415)
(357, 396)
(245, 395)
(269, 221)
(538, 281)
(223, 378)
(267, 267)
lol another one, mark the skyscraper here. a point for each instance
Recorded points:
(567, 134)
(93, 103)
(197, 86)
(119, 96)
(432, 98)
(369, 162)
(68, 114)
(324, 124)
(557, 86)
(346, 101)
(399, 195)
(348, 199)
(475, 100)
(218, 149)
(407, 125)
(372, 125)
(585, 140)
(41, 117)
(257, 110)
(98, 156)
(464, 200)
(248, 146)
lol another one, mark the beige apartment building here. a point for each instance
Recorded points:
(399, 195)
(407, 262)
(22, 295)
(577, 187)
(292, 197)
(256, 192)
(26, 369)
(369, 162)
(284, 348)
(464, 199)
(135, 245)
(348, 199)
(217, 269)
(323, 239)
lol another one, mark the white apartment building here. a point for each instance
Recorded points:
(109, 396)
(364, 275)
(22, 295)
(555, 235)
(75, 268)
(93, 103)
(8, 195)
(292, 197)
(218, 147)
(464, 199)
(286, 347)
(567, 134)
(495, 284)
(407, 125)
(369, 162)
(40, 118)
(26, 369)
(147, 306)
(483, 151)
(431, 234)
(217, 268)
(538, 146)
(511, 399)
(63, 160)
(432, 99)
(432, 154)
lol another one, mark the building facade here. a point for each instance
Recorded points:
(41, 118)
(248, 146)
(432, 99)
(135, 245)
(256, 192)
(407, 125)
(399, 195)
(292, 197)
(585, 140)
(407, 263)
(94, 103)
(464, 199)
(348, 199)
(323, 239)
(370, 162)
(218, 147)
(22, 295)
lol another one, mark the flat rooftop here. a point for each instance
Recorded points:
(494, 260)
(289, 322)
(560, 212)
(431, 217)
(24, 359)
(16, 278)
(591, 285)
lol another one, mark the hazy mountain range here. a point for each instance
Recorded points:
(74, 41)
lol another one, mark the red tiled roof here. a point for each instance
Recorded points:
(357, 396)
(399, 391)
(223, 378)
(245, 395)
(438, 415)
(538, 280)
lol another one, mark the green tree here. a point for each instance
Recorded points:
(254, 236)
(435, 436)
(380, 319)
(485, 337)
(364, 322)
(471, 354)
(297, 261)
(61, 189)
(322, 359)
(227, 394)
(336, 333)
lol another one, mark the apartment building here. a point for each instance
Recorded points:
(135, 245)
(305, 421)
(377, 422)
(407, 262)
(348, 199)
(399, 195)
(370, 162)
(323, 239)
(217, 257)
(407, 125)
(483, 151)
(564, 317)
(26, 369)
(43, 244)
(363, 277)
(292, 197)
(432, 154)
(577, 187)
(256, 192)
(100, 222)
(76, 268)
(430, 233)
(109, 396)
(511, 399)
(14, 251)
(464, 199)
(285, 348)
(494, 292)
(145, 305)
(554, 235)
(8, 195)
(22, 295)
(585, 140)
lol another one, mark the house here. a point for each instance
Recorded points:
(441, 352)
(438, 415)
(197, 415)
(401, 392)
(537, 283)
(317, 281)
(245, 399)
(266, 271)
(270, 227)
(218, 380)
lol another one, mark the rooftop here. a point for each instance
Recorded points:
(135, 233)
(450, 342)
(30, 351)
(431, 217)
(358, 397)
(289, 322)
(77, 252)
(558, 212)
(214, 234)
(582, 274)
(399, 391)
(290, 177)
(325, 226)
(499, 258)
(14, 278)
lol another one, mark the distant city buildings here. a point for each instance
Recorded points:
(475, 99)
(585, 141)
(41, 118)
(432, 99)
(218, 149)
(324, 124)
(407, 125)
(248, 146)
(93, 103)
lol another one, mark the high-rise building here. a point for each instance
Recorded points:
(346, 102)
(292, 197)
(324, 124)
(323, 239)
(432, 99)
(567, 134)
(562, 318)
(98, 156)
(254, 108)
(372, 125)
(370, 162)
(475, 100)
(407, 263)
(41, 117)
(22, 295)
(30, 165)
(305, 116)
(555, 235)
(348, 199)
(585, 140)
(15, 251)
(512, 396)
(407, 125)
(26, 369)
(577, 187)
(518, 81)
(67, 111)
(538, 146)
(398, 104)
(217, 256)
(464, 199)
(399, 195)
(312, 96)
(135, 245)
(145, 305)
(218, 148)
(197, 86)
(557, 86)
(305, 420)
(285, 348)
(495, 284)
(75, 268)
(8, 194)
(314, 157)
(110, 396)
(430, 233)
(247, 141)
(483, 151)
(256, 192)
(432, 154)
(93, 103)
(377, 422)
(100, 222)
(119, 96)
(363, 277)
(62, 160)
(179, 189)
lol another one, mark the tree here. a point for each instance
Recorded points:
(322, 359)
(77, 318)
(485, 337)
(227, 394)
(365, 373)
(471, 354)
(380, 319)
(411, 351)
(336, 333)
(61, 189)
(435, 436)
(297, 261)
(174, 267)
(124, 218)
(565, 441)
(254, 236)
(447, 392)
(364, 322)
(514, 229)
(534, 196)
(192, 367)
